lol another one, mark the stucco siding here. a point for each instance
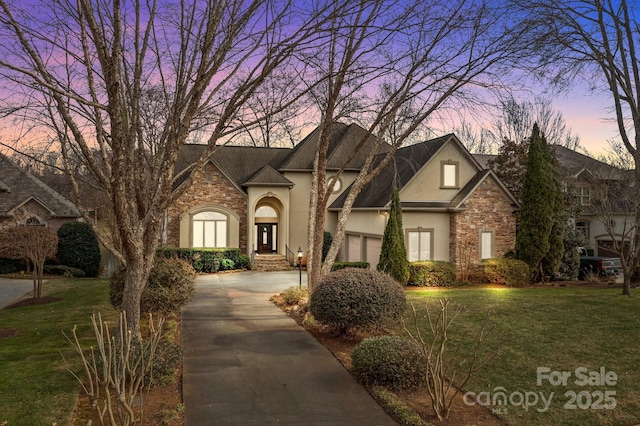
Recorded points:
(426, 184)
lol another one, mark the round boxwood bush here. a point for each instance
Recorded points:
(170, 287)
(78, 247)
(389, 361)
(357, 297)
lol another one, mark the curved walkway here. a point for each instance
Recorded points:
(248, 363)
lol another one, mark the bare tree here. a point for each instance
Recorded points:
(276, 113)
(82, 71)
(33, 243)
(475, 138)
(517, 119)
(432, 56)
(614, 202)
(594, 41)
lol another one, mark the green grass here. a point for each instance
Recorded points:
(559, 328)
(35, 386)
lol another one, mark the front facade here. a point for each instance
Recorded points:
(257, 199)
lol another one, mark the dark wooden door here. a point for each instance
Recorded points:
(265, 238)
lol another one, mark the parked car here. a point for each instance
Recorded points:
(598, 266)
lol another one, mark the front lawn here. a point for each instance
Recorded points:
(35, 386)
(590, 330)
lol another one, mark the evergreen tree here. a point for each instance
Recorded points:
(553, 259)
(393, 254)
(538, 206)
(78, 247)
(510, 165)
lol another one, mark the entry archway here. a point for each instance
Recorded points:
(267, 223)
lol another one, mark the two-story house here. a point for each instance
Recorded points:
(257, 199)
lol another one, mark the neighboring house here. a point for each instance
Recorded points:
(257, 199)
(25, 200)
(585, 177)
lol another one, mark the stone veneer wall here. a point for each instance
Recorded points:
(209, 187)
(487, 209)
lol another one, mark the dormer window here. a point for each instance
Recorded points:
(584, 196)
(449, 174)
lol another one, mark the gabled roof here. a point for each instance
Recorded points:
(343, 141)
(251, 166)
(398, 172)
(268, 176)
(482, 175)
(20, 187)
(238, 163)
(572, 163)
(575, 163)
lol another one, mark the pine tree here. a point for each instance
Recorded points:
(538, 205)
(393, 253)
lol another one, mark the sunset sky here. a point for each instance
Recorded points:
(587, 115)
(590, 117)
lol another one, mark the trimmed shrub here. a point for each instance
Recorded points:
(78, 247)
(8, 266)
(388, 361)
(357, 297)
(64, 270)
(432, 273)
(342, 265)
(244, 262)
(510, 272)
(170, 287)
(205, 260)
(394, 405)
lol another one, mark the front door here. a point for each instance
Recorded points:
(266, 238)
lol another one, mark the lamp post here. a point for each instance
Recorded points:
(300, 266)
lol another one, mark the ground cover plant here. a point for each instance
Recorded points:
(588, 335)
(35, 386)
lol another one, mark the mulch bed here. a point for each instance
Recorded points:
(33, 302)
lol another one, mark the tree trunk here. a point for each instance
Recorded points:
(626, 286)
(135, 279)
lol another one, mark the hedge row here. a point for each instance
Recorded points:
(432, 273)
(510, 272)
(207, 260)
(341, 265)
(8, 266)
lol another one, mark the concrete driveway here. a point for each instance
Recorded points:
(11, 290)
(248, 363)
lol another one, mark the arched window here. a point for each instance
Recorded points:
(337, 185)
(210, 230)
(33, 221)
(266, 211)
